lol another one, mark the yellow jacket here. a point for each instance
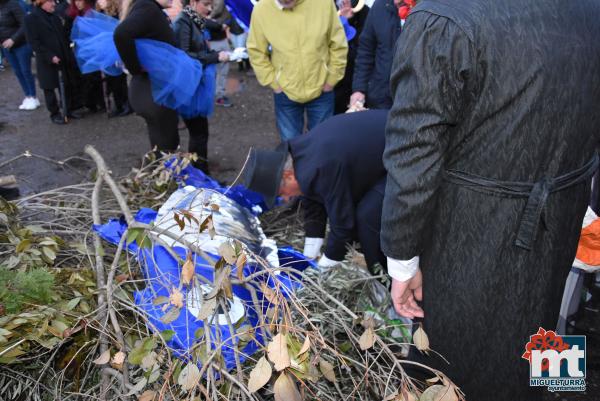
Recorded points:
(308, 47)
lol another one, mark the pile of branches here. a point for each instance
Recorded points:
(73, 331)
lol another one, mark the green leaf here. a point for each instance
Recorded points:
(132, 234)
(73, 303)
(136, 355)
(145, 243)
(49, 253)
(149, 344)
(167, 335)
(160, 300)
(23, 246)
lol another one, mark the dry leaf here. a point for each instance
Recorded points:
(207, 308)
(447, 393)
(103, 359)
(327, 369)
(285, 389)
(189, 377)
(367, 340)
(188, 270)
(269, 294)
(171, 315)
(239, 263)
(278, 352)
(227, 252)
(433, 380)
(260, 375)
(176, 298)
(305, 346)
(147, 395)
(421, 340)
(148, 361)
(392, 397)
(117, 360)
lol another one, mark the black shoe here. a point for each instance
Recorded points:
(58, 119)
(75, 115)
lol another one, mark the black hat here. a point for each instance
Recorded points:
(262, 172)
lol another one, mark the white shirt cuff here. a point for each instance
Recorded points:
(402, 270)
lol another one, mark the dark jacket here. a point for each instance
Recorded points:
(12, 22)
(48, 38)
(508, 91)
(190, 39)
(375, 54)
(147, 20)
(338, 180)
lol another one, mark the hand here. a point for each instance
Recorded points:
(405, 295)
(346, 9)
(357, 97)
(55, 60)
(327, 88)
(223, 57)
(8, 43)
(278, 90)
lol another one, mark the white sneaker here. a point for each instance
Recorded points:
(24, 103)
(37, 102)
(30, 104)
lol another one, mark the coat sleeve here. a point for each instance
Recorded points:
(338, 48)
(258, 51)
(432, 81)
(136, 25)
(19, 16)
(33, 37)
(183, 37)
(365, 58)
(340, 210)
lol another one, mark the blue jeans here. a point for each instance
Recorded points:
(20, 61)
(290, 114)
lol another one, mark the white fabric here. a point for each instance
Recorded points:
(402, 270)
(326, 262)
(312, 247)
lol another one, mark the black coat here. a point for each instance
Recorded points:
(48, 38)
(147, 20)
(375, 54)
(190, 39)
(339, 179)
(12, 24)
(510, 91)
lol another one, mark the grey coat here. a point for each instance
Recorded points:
(487, 91)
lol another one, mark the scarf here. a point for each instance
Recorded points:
(196, 18)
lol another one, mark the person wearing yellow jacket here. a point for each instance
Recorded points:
(298, 48)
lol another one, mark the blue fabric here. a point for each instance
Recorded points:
(240, 9)
(20, 61)
(162, 272)
(290, 114)
(177, 80)
(373, 63)
(349, 30)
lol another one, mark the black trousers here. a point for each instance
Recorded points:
(161, 121)
(118, 87)
(367, 219)
(53, 104)
(198, 129)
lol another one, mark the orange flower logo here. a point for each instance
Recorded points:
(544, 340)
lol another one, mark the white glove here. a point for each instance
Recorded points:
(238, 54)
(312, 247)
(325, 262)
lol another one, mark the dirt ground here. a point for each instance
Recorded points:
(123, 141)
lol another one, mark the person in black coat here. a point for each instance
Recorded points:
(371, 80)
(347, 183)
(189, 29)
(146, 19)
(47, 36)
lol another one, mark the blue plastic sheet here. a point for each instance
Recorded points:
(178, 81)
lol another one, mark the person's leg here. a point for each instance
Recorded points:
(198, 144)
(24, 54)
(160, 121)
(320, 109)
(15, 63)
(368, 225)
(289, 116)
(222, 68)
(52, 104)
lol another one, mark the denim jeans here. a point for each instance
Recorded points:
(20, 61)
(222, 68)
(290, 114)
